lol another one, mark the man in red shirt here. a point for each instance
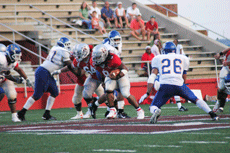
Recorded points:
(147, 56)
(150, 26)
(138, 27)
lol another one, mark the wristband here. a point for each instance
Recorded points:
(221, 53)
(147, 93)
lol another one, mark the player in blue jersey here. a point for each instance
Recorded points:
(172, 69)
(59, 56)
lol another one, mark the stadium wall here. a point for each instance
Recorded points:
(64, 100)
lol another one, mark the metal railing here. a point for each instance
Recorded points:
(194, 23)
(76, 30)
(51, 28)
(39, 44)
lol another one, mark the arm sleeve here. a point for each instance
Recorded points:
(16, 64)
(66, 56)
(155, 63)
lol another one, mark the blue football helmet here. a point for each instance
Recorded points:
(2, 48)
(169, 47)
(64, 43)
(14, 53)
(115, 38)
(106, 40)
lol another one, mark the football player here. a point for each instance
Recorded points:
(9, 60)
(114, 45)
(116, 76)
(172, 69)
(92, 84)
(59, 56)
(222, 91)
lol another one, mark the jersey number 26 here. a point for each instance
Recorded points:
(167, 63)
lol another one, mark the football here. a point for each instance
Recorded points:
(113, 74)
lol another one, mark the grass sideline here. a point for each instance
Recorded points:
(173, 142)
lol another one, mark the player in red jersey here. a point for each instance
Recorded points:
(105, 62)
(85, 87)
(222, 92)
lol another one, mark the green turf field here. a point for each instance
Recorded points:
(217, 140)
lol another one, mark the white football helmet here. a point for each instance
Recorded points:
(81, 51)
(100, 53)
(2, 48)
(115, 38)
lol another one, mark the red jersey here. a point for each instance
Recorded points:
(151, 26)
(86, 67)
(112, 64)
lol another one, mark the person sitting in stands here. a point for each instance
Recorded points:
(121, 15)
(84, 14)
(147, 56)
(138, 27)
(96, 24)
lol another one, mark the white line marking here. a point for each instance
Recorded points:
(189, 123)
(162, 146)
(207, 133)
(113, 150)
(227, 137)
(204, 142)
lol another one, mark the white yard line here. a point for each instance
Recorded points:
(204, 142)
(113, 150)
(162, 146)
(227, 137)
(207, 133)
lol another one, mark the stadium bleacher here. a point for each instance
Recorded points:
(202, 63)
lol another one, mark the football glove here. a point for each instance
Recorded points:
(55, 72)
(143, 98)
(29, 83)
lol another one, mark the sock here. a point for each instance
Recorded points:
(120, 110)
(178, 105)
(153, 108)
(29, 103)
(23, 110)
(78, 107)
(14, 115)
(121, 104)
(50, 102)
(203, 105)
(97, 104)
(47, 112)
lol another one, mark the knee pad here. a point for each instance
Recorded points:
(125, 92)
(12, 101)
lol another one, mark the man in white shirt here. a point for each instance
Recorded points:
(179, 47)
(132, 12)
(95, 8)
(155, 49)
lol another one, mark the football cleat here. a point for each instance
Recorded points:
(216, 107)
(213, 116)
(122, 115)
(47, 116)
(21, 116)
(93, 109)
(220, 110)
(140, 114)
(112, 113)
(155, 116)
(16, 119)
(87, 114)
(78, 116)
(183, 109)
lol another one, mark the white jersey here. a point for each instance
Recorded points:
(118, 50)
(56, 58)
(155, 50)
(112, 49)
(130, 10)
(171, 67)
(5, 67)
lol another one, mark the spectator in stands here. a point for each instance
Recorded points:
(150, 26)
(132, 12)
(108, 15)
(156, 37)
(84, 14)
(121, 15)
(155, 48)
(138, 27)
(96, 23)
(94, 8)
(179, 47)
(147, 56)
